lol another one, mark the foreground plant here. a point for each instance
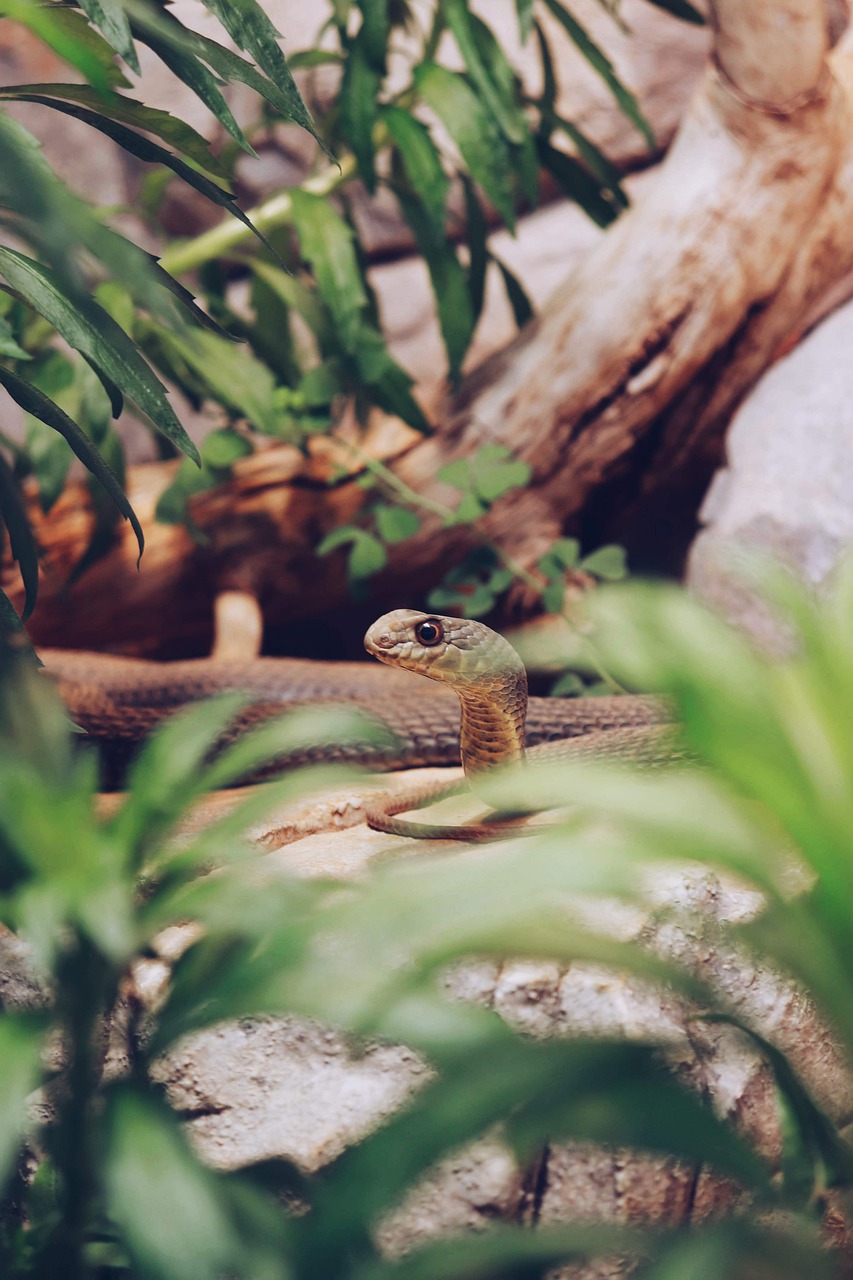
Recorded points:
(89, 895)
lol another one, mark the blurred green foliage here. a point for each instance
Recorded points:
(117, 1191)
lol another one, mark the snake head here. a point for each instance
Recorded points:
(462, 653)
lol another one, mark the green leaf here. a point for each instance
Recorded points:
(524, 9)
(8, 346)
(421, 163)
(21, 540)
(472, 128)
(477, 233)
(21, 1045)
(180, 55)
(600, 63)
(90, 330)
(388, 383)
(127, 111)
(577, 183)
(449, 283)
(70, 36)
(233, 376)
(9, 620)
(326, 244)
(608, 563)
(521, 307)
(110, 18)
(681, 9)
(250, 28)
(151, 1175)
(224, 447)
(506, 115)
(359, 110)
(568, 685)
(367, 556)
(395, 524)
(495, 472)
(151, 153)
(34, 401)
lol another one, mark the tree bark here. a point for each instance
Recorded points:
(617, 395)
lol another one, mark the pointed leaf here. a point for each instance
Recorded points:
(21, 1044)
(69, 34)
(110, 18)
(8, 345)
(421, 163)
(128, 111)
(518, 299)
(598, 60)
(506, 114)
(475, 133)
(681, 9)
(90, 330)
(34, 401)
(326, 244)
(21, 540)
(359, 110)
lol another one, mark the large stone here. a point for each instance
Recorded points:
(787, 489)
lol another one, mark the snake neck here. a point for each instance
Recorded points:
(492, 728)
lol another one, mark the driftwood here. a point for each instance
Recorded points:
(618, 395)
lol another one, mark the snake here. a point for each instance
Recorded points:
(497, 717)
(120, 701)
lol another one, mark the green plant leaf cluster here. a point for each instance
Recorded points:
(66, 249)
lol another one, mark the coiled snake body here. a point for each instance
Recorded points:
(119, 701)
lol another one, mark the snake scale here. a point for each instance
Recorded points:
(119, 701)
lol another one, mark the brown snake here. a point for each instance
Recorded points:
(119, 701)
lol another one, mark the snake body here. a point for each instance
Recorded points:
(120, 701)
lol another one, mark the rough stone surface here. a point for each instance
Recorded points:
(257, 1089)
(787, 490)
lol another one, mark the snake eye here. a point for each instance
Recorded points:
(429, 632)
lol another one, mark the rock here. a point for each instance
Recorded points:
(787, 491)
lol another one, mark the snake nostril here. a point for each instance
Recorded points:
(385, 641)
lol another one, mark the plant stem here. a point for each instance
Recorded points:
(277, 211)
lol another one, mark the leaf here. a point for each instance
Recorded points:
(326, 244)
(8, 346)
(34, 401)
(152, 153)
(608, 563)
(421, 163)
(21, 540)
(388, 383)
(495, 472)
(151, 1176)
(90, 330)
(521, 307)
(250, 28)
(524, 9)
(477, 232)
(128, 111)
(449, 283)
(70, 36)
(576, 183)
(233, 376)
(681, 9)
(506, 115)
(568, 685)
(599, 62)
(184, 63)
(395, 524)
(9, 620)
(359, 110)
(110, 18)
(367, 556)
(480, 142)
(224, 447)
(21, 1043)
